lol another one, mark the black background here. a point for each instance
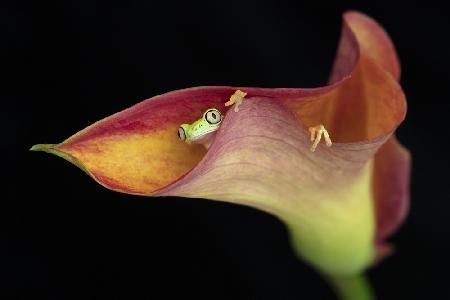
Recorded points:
(70, 63)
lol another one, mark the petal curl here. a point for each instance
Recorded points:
(392, 161)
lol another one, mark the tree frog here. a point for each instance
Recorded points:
(201, 131)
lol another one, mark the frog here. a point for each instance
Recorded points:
(203, 130)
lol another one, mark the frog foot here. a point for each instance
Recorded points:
(236, 99)
(316, 133)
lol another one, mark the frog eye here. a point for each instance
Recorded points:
(213, 116)
(181, 133)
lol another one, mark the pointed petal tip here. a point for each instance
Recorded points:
(53, 149)
(42, 147)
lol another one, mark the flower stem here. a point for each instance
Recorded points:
(354, 287)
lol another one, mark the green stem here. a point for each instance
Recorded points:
(354, 287)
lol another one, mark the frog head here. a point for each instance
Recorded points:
(202, 130)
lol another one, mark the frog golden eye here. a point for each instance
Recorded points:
(213, 116)
(181, 133)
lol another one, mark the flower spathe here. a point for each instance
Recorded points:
(339, 202)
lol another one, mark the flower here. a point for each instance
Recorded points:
(339, 202)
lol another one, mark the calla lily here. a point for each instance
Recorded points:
(339, 202)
